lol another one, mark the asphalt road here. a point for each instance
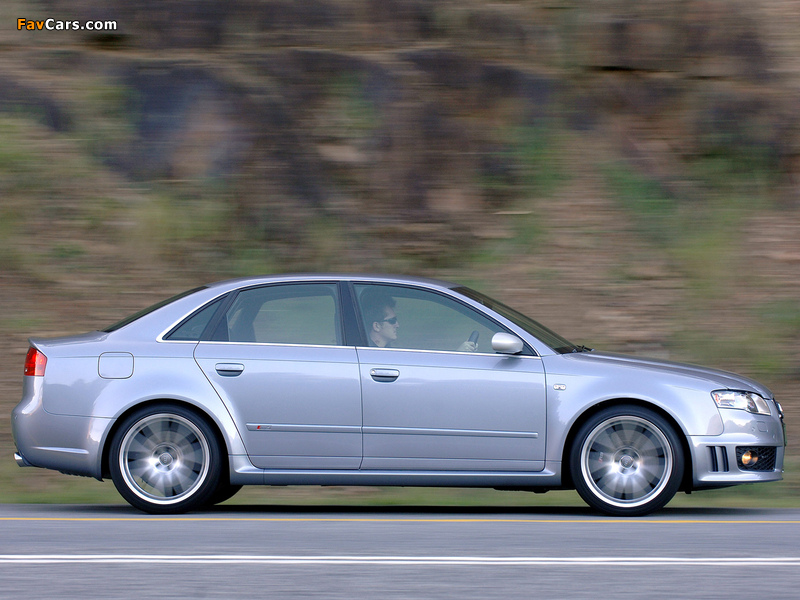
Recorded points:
(109, 552)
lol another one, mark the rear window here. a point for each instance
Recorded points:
(149, 309)
(191, 330)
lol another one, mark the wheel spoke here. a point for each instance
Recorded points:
(639, 485)
(622, 433)
(139, 468)
(651, 473)
(600, 470)
(603, 445)
(142, 442)
(184, 477)
(188, 445)
(609, 482)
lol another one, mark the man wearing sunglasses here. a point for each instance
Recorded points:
(382, 320)
(382, 324)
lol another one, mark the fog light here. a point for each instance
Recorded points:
(749, 458)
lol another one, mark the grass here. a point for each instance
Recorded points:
(56, 202)
(656, 214)
(701, 235)
(39, 486)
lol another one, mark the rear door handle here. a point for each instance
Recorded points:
(384, 375)
(229, 369)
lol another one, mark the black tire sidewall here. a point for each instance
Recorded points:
(225, 491)
(201, 495)
(656, 421)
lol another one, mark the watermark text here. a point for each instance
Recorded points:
(59, 25)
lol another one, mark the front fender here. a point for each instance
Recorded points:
(574, 388)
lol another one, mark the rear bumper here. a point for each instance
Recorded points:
(66, 443)
(20, 460)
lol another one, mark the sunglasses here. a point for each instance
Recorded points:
(392, 321)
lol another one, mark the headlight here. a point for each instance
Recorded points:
(749, 401)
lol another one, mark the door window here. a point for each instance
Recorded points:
(409, 318)
(283, 314)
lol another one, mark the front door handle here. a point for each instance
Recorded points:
(384, 375)
(229, 369)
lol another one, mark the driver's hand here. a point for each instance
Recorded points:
(468, 347)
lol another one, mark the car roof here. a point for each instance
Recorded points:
(368, 277)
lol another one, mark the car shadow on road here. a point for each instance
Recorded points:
(543, 512)
(536, 511)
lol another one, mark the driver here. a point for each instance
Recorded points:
(382, 323)
(380, 318)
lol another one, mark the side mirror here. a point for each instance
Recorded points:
(505, 343)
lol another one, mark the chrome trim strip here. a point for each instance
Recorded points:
(455, 352)
(388, 430)
(452, 432)
(304, 428)
(275, 344)
(62, 450)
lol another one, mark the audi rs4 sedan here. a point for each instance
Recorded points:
(394, 381)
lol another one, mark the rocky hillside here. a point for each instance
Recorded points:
(626, 172)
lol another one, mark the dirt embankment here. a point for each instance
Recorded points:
(626, 172)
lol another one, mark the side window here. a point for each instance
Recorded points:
(192, 328)
(283, 314)
(400, 317)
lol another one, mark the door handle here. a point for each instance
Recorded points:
(229, 369)
(384, 375)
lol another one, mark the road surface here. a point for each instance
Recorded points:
(109, 552)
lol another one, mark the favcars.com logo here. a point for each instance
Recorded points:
(56, 25)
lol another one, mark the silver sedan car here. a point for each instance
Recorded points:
(365, 380)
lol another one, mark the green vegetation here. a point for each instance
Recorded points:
(539, 152)
(655, 212)
(59, 202)
(538, 169)
(702, 236)
(347, 114)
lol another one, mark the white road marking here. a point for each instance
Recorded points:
(225, 559)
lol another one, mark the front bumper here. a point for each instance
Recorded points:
(717, 461)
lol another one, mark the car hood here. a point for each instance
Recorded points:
(716, 377)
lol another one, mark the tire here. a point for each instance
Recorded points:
(165, 459)
(225, 491)
(627, 461)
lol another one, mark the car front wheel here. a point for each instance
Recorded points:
(165, 459)
(627, 461)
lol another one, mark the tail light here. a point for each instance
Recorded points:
(35, 362)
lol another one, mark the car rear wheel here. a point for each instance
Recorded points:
(165, 459)
(627, 461)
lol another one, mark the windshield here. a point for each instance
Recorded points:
(130, 319)
(537, 330)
